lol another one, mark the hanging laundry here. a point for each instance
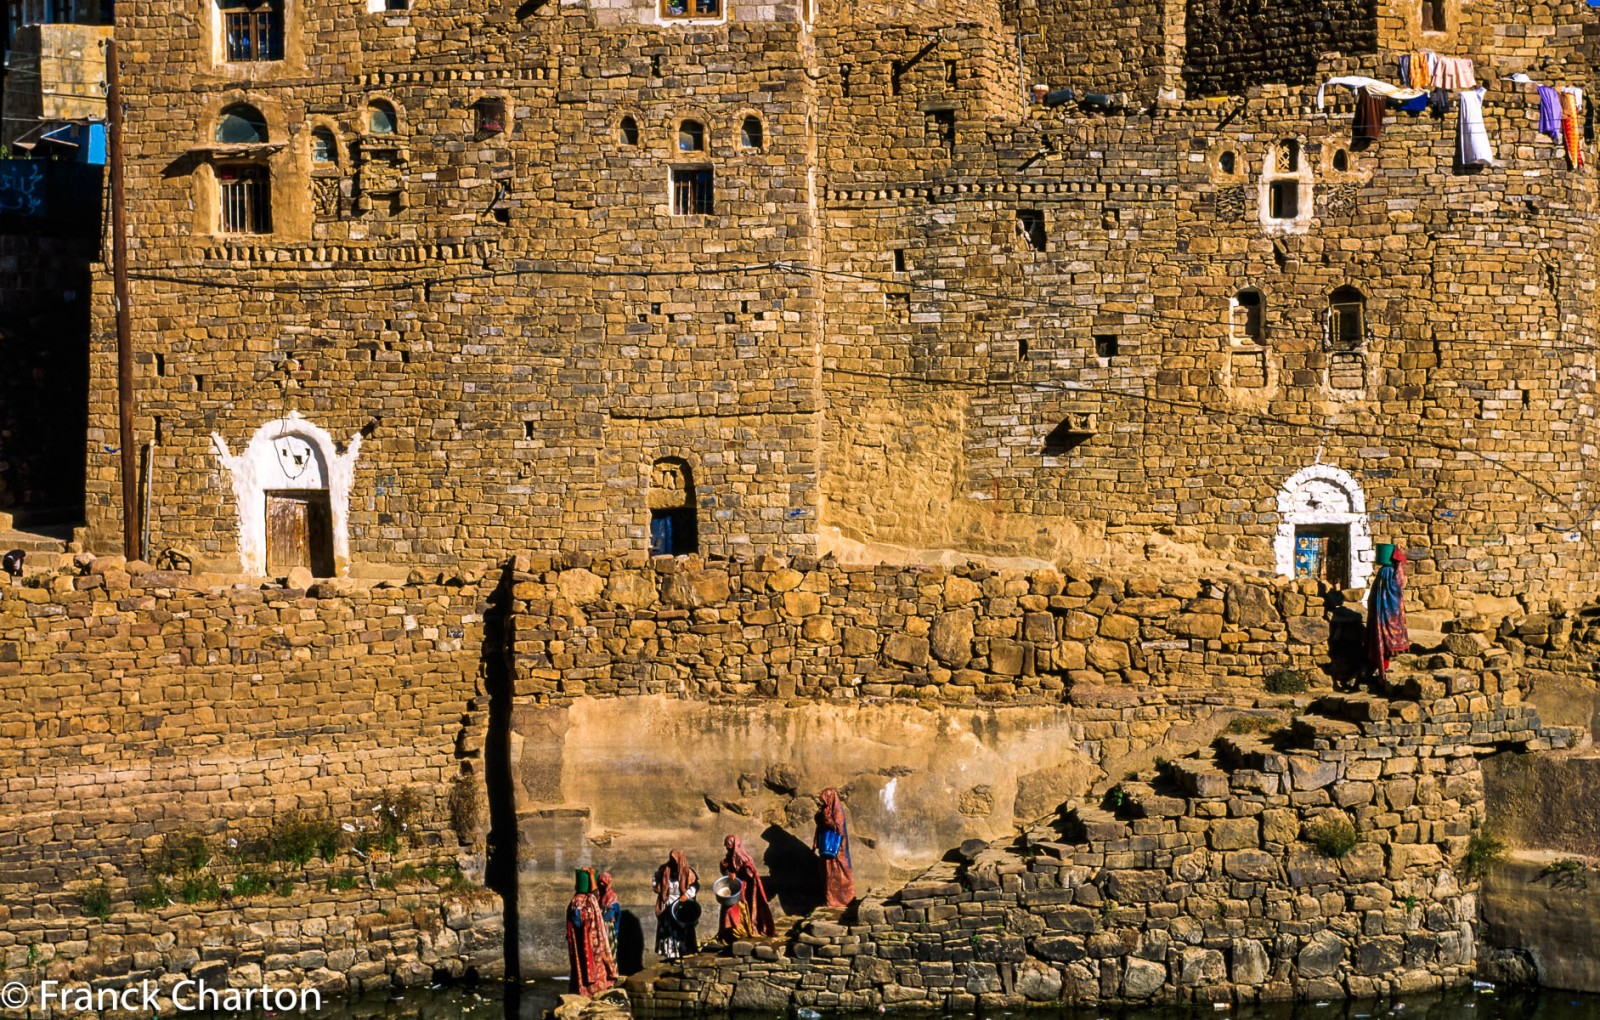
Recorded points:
(1453, 73)
(1368, 123)
(1550, 112)
(1372, 85)
(1473, 137)
(1571, 105)
(1439, 101)
(1414, 70)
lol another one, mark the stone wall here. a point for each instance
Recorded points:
(1212, 878)
(664, 703)
(707, 629)
(860, 338)
(142, 708)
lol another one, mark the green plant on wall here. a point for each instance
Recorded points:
(1484, 854)
(1334, 835)
(96, 900)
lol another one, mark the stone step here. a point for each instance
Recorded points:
(1197, 775)
(1250, 752)
(1088, 824)
(1134, 799)
(1311, 730)
(1356, 708)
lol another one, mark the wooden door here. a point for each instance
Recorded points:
(299, 533)
(1322, 551)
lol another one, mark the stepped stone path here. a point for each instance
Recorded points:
(1199, 880)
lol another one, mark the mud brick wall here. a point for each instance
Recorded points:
(138, 705)
(775, 629)
(43, 390)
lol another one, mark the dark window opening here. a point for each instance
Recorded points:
(899, 260)
(1249, 320)
(527, 429)
(844, 79)
(1433, 16)
(397, 5)
(1226, 162)
(628, 131)
(1105, 345)
(1030, 225)
(943, 125)
(161, 364)
(241, 124)
(691, 136)
(489, 116)
(1322, 553)
(693, 191)
(1283, 200)
(245, 199)
(253, 31)
(750, 133)
(1022, 348)
(950, 72)
(1341, 160)
(1347, 327)
(655, 65)
(674, 526)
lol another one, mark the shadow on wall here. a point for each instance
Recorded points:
(793, 876)
(501, 872)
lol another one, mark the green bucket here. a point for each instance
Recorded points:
(1385, 554)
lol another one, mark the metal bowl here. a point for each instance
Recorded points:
(727, 890)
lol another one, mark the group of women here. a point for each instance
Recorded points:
(593, 914)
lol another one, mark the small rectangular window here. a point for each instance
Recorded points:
(489, 116)
(942, 123)
(693, 191)
(252, 31)
(245, 198)
(899, 260)
(1030, 226)
(1283, 200)
(691, 8)
(1433, 19)
(1105, 345)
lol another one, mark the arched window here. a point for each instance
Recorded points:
(674, 529)
(1347, 339)
(628, 131)
(1227, 162)
(381, 118)
(1288, 161)
(241, 124)
(691, 136)
(750, 133)
(324, 148)
(1247, 336)
(1341, 160)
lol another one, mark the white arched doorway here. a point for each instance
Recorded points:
(293, 492)
(1322, 527)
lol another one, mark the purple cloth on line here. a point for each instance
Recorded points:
(1549, 112)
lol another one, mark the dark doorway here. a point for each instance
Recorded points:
(1322, 551)
(299, 532)
(673, 532)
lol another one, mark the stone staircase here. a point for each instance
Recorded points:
(1319, 859)
(47, 548)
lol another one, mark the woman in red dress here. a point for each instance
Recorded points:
(832, 843)
(751, 916)
(588, 948)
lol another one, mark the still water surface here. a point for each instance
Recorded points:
(529, 1002)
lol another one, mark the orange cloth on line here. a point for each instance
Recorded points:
(1569, 129)
(1420, 78)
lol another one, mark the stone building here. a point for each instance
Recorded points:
(423, 280)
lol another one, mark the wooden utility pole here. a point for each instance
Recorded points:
(119, 283)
